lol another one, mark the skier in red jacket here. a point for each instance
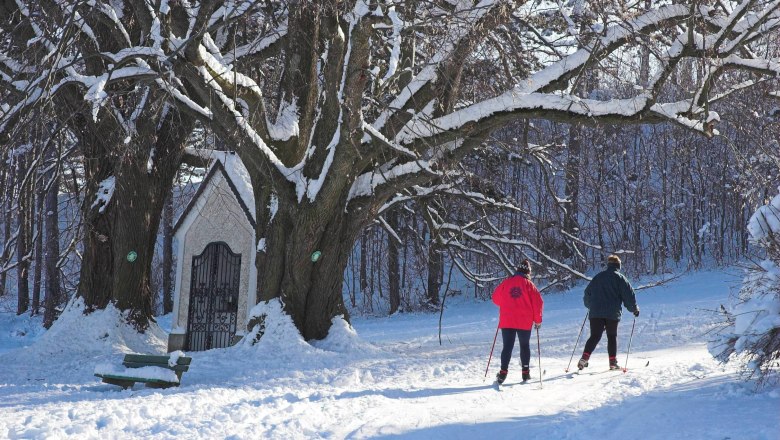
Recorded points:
(520, 307)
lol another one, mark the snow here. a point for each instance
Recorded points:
(151, 373)
(470, 15)
(96, 94)
(756, 312)
(286, 125)
(366, 183)
(389, 377)
(259, 44)
(150, 161)
(766, 220)
(235, 169)
(395, 52)
(173, 357)
(104, 193)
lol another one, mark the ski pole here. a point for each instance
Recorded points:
(625, 365)
(578, 341)
(491, 352)
(539, 352)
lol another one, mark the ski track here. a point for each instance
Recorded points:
(409, 386)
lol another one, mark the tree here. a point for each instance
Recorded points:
(335, 107)
(751, 334)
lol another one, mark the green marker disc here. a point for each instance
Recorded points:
(315, 256)
(131, 256)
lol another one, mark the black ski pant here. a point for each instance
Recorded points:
(509, 335)
(597, 327)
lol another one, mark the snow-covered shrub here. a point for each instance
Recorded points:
(752, 333)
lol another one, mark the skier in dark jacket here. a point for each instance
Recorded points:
(520, 307)
(604, 296)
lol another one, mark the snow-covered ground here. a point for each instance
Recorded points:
(394, 380)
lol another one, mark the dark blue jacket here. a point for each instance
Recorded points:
(606, 292)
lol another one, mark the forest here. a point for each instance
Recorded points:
(423, 147)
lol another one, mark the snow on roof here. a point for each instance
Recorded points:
(237, 176)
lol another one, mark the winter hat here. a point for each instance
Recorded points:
(524, 267)
(614, 260)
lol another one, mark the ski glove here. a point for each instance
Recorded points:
(636, 312)
(537, 325)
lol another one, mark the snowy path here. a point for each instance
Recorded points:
(404, 384)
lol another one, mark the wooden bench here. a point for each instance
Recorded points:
(126, 380)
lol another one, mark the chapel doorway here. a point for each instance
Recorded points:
(213, 307)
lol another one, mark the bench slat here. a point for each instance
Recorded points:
(128, 381)
(176, 368)
(131, 378)
(143, 360)
(156, 359)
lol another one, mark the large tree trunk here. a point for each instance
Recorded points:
(38, 253)
(435, 260)
(52, 296)
(120, 236)
(393, 269)
(23, 239)
(167, 260)
(6, 198)
(311, 291)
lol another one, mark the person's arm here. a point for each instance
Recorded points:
(538, 305)
(498, 297)
(586, 296)
(629, 297)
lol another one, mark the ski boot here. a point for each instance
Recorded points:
(613, 365)
(582, 363)
(526, 375)
(501, 376)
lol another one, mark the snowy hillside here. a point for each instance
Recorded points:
(393, 380)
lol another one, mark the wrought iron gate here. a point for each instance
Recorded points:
(216, 274)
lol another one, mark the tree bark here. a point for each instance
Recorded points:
(127, 226)
(167, 261)
(52, 297)
(364, 264)
(310, 291)
(23, 240)
(435, 260)
(38, 252)
(393, 268)
(8, 175)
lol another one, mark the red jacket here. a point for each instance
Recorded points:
(519, 302)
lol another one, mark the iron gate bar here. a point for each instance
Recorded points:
(213, 309)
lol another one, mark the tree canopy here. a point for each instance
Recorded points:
(341, 108)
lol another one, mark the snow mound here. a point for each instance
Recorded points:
(342, 338)
(274, 331)
(76, 340)
(19, 330)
